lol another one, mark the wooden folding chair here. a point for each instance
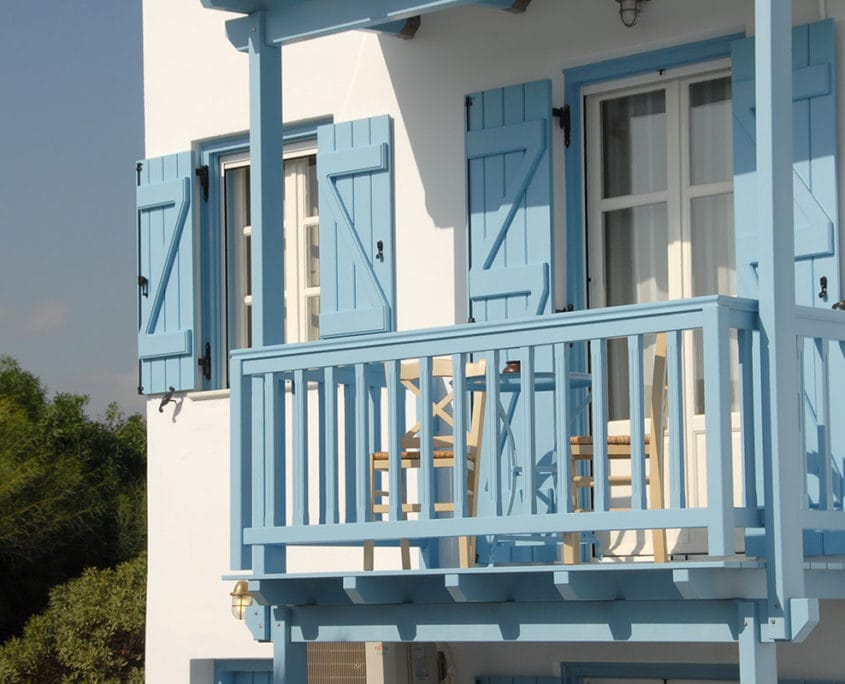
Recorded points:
(619, 448)
(444, 457)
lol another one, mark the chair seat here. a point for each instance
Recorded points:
(612, 439)
(415, 455)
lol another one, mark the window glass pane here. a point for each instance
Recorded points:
(312, 331)
(636, 271)
(713, 269)
(312, 256)
(238, 265)
(636, 263)
(634, 144)
(711, 145)
(713, 272)
(312, 205)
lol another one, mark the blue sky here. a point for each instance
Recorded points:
(71, 129)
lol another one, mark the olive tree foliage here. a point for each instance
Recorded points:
(72, 492)
(92, 631)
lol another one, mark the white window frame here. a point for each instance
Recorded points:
(295, 261)
(678, 194)
(678, 197)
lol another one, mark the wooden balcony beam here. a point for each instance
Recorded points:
(576, 621)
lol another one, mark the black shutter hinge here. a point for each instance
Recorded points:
(565, 117)
(144, 284)
(467, 102)
(138, 168)
(204, 362)
(202, 174)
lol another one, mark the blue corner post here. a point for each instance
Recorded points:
(757, 660)
(773, 55)
(267, 282)
(289, 657)
(266, 185)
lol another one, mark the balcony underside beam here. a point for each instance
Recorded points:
(537, 584)
(694, 581)
(611, 621)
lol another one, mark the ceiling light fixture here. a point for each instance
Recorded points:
(629, 11)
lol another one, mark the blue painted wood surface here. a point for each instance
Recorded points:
(814, 167)
(297, 21)
(346, 363)
(165, 200)
(357, 259)
(266, 188)
(509, 197)
(510, 269)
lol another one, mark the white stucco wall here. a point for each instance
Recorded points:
(196, 88)
(188, 604)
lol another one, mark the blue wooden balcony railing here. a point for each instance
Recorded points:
(821, 352)
(306, 418)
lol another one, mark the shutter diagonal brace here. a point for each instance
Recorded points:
(528, 137)
(178, 194)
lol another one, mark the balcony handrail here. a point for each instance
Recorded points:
(572, 326)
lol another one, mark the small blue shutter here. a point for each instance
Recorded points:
(355, 176)
(509, 183)
(814, 169)
(166, 273)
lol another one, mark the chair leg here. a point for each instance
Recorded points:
(369, 551)
(571, 546)
(658, 540)
(466, 552)
(405, 547)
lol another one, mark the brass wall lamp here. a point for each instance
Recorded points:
(629, 11)
(241, 599)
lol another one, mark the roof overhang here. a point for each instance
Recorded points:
(290, 21)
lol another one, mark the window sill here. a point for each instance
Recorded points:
(207, 395)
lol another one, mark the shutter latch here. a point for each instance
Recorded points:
(204, 362)
(202, 174)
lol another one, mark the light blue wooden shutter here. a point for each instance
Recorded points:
(814, 169)
(509, 171)
(355, 175)
(166, 273)
(509, 191)
(816, 223)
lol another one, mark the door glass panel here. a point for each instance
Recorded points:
(713, 269)
(634, 144)
(713, 272)
(711, 146)
(636, 263)
(636, 271)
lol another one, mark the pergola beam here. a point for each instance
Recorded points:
(304, 20)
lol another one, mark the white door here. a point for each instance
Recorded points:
(660, 226)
